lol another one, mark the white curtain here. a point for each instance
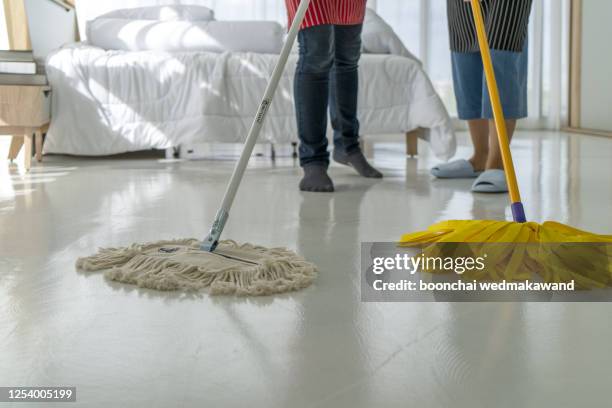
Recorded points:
(423, 27)
(248, 9)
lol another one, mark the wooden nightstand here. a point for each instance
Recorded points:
(24, 110)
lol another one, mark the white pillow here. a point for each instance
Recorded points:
(379, 38)
(88, 10)
(186, 36)
(164, 13)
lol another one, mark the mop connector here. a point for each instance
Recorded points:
(211, 241)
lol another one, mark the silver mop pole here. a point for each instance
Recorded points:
(212, 240)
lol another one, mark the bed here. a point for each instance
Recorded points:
(113, 101)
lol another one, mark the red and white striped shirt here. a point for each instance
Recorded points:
(339, 12)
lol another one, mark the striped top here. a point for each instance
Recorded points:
(339, 12)
(506, 23)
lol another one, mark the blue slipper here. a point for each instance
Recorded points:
(491, 181)
(456, 169)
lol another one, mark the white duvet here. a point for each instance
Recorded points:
(107, 102)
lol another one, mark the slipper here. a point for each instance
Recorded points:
(491, 181)
(456, 169)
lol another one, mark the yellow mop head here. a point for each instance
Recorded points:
(233, 269)
(502, 231)
(521, 251)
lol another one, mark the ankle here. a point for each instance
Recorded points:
(494, 163)
(315, 166)
(495, 166)
(479, 162)
(358, 161)
(352, 153)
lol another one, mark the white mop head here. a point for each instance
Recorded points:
(233, 269)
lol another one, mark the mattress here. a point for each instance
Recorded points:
(108, 102)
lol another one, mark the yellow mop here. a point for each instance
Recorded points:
(563, 253)
(222, 267)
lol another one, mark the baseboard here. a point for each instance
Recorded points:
(590, 132)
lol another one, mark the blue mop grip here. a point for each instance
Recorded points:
(518, 212)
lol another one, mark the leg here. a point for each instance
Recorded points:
(366, 147)
(344, 88)
(467, 79)
(38, 139)
(511, 73)
(27, 159)
(412, 143)
(344, 95)
(312, 81)
(16, 143)
(467, 73)
(272, 152)
(479, 132)
(494, 159)
(315, 62)
(294, 147)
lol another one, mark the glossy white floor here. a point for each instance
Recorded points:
(322, 347)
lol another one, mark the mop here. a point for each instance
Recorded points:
(561, 253)
(221, 266)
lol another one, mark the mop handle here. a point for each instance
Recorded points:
(258, 122)
(498, 114)
(210, 242)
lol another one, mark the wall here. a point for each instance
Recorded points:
(51, 26)
(4, 43)
(596, 65)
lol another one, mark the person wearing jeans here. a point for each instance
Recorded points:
(327, 79)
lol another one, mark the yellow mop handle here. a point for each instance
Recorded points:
(498, 113)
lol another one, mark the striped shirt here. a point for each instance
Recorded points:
(506, 23)
(339, 12)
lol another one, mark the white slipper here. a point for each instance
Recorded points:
(491, 181)
(456, 169)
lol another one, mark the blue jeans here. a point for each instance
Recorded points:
(327, 77)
